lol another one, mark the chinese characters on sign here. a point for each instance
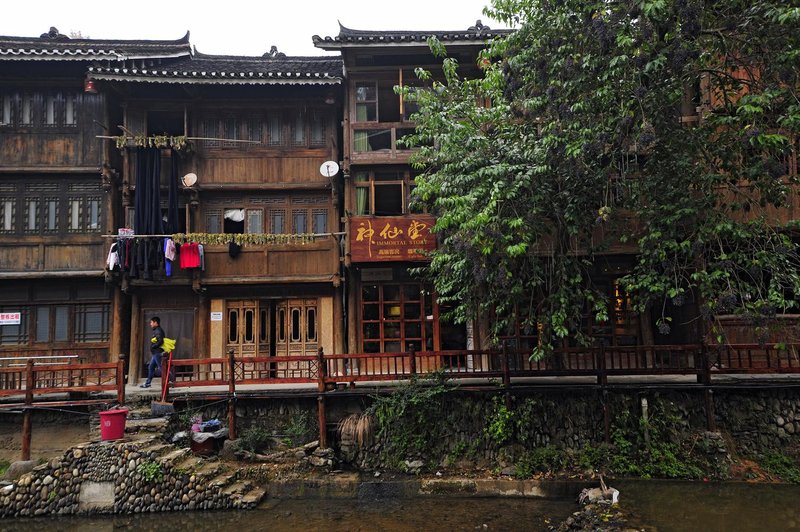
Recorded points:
(391, 238)
(10, 318)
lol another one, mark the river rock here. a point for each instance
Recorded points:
(19, 468)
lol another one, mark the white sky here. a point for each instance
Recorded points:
(237, 27)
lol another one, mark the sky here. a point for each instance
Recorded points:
(237, 27)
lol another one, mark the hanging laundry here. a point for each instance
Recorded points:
(112, 261)
(202, 257)
(169, 249)
(190, 255)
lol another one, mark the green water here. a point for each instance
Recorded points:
(653, 505)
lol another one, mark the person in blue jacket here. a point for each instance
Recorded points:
(156, 350)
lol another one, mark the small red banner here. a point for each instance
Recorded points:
(395, 238)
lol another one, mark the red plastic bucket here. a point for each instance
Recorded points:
(112, 424)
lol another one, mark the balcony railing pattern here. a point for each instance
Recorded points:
(37, 378)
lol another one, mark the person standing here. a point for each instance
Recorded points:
(156, 350)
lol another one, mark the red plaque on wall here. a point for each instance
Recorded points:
(391, 238)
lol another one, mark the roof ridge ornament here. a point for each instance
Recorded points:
(54, 35)
(479, 27)
(274, 53)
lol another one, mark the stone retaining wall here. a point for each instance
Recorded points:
(108, 477)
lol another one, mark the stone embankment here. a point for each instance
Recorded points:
(127, 477)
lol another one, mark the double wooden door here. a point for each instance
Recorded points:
(264, 327)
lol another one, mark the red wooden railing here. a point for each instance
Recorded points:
(31, 378)
(505, 364)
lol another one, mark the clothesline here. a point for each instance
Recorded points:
(171, 236)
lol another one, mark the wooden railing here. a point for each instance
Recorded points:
(32, 378)
(502, 364)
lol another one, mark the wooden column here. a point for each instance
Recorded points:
(117, 322)
(121, 379)
(322, 372)
(26, 416)
(135, 352)
(202, 340)
(231, 395)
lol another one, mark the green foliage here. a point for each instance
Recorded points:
(648, 448)
(4, 465)
(500, 424)
(584, 133)
(781, 465)
(151, 471)
(300, 428)
(541, 459)
(254, 439)
(408, 418)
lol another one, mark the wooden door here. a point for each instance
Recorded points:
(247, 327)
(297, 327)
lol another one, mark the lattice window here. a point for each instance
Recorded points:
(91, 323)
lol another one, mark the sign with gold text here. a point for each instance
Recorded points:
(395, 238)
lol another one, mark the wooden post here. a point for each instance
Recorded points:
(323, 422)
(231, 395)
(504, 365)
(606, 417)
(26, 416)
(602, 376)
(322, 370)
(121, 379)
(26, 434)
(29, 384)
(711, 422)
(412, 360)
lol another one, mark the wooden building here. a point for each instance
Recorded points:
(252, 134)
(389, 310)
(97, 137)
(57, 194)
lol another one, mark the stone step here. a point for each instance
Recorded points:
(237, 489)
(209, 470)
(189, 464)
(146, 425)
(155, 446)
(175, 456)
(253, 497)
(222, 479)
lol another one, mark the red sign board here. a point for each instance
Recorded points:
(391, 238)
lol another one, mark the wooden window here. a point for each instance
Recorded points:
(15, 334)
(51, 214)
(7, 215)
(5, 110)
(366, 101)
(396, 317)
(50, 208)
(275, 128)
(277, 221)
(255, 221)
(31, 215)
(311, 324)
(382, 192)
(91, 323)
(318, 129)
(26, 110)
(298, 130)
(299, 221)
(75, 214)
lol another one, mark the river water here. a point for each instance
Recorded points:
(653, 505)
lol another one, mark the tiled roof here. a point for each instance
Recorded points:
(53, 46)
(270, 69)
(351, 38)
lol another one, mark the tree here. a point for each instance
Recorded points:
(584, 144)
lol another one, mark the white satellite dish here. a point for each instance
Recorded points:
(189, 180)
(329, 168)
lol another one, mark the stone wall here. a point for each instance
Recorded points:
(109, 477)
(755, 420)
